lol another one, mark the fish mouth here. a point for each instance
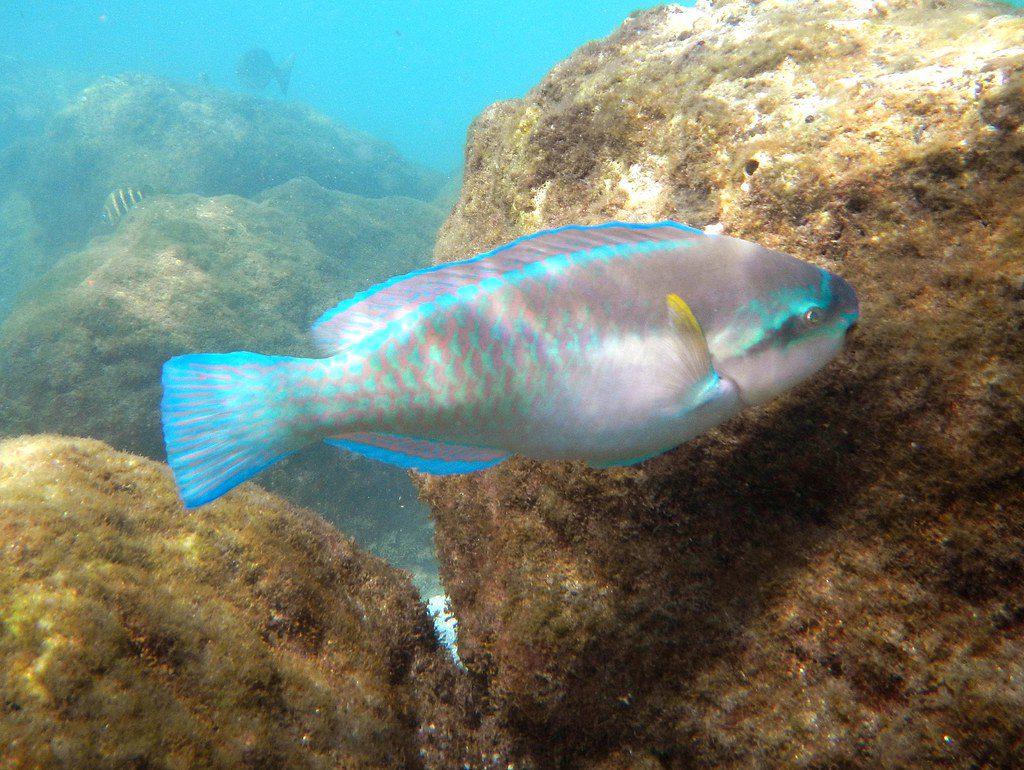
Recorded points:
(846, 301)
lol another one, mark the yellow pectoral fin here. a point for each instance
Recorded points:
(693, 347)
(683, 316)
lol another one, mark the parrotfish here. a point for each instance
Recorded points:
(609, 343)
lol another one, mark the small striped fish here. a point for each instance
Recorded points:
(610, 344)
(120, 201)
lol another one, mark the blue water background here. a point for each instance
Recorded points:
(412, 72)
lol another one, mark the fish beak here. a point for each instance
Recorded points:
(846, 302)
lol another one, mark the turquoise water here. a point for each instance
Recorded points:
(413, 73)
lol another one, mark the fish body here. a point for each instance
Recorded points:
(255, 69)
(120, 201)
(609, 344)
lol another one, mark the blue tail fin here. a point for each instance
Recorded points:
(221, 425)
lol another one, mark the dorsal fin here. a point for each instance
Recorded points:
(374, 309)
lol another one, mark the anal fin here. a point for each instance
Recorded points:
(618, 463)
(418, 454)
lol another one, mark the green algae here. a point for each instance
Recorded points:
(132, 633)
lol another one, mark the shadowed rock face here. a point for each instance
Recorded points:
(834, 579)
(135, 634)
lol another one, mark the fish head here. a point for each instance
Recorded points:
(789, 321)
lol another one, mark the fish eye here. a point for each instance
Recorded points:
(814, 316)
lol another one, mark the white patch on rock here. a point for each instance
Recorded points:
(680, 20)
(642, 190)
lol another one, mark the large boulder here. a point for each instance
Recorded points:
(160, 137)
(835, 579)
(81, 353)
(134, 634)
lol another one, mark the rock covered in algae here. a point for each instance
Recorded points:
(252, 634)
(81, 353)
(834, 580)
(162, 137)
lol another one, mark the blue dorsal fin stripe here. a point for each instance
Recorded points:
(419, 454)
(377, 307)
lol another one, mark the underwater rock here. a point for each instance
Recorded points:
(81, 353)
(23, 259)
(162, 137)
(30, 95)
(834, 579)
(252, 634)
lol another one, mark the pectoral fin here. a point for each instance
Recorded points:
(693, 348)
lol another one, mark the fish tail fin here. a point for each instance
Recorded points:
(223, 420)
(284, 73)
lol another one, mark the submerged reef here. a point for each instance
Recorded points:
(252, 634)
(81, 353)
(835, 579)
(163, 137)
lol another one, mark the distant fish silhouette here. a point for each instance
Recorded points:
(255, 69)
(120, 201)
